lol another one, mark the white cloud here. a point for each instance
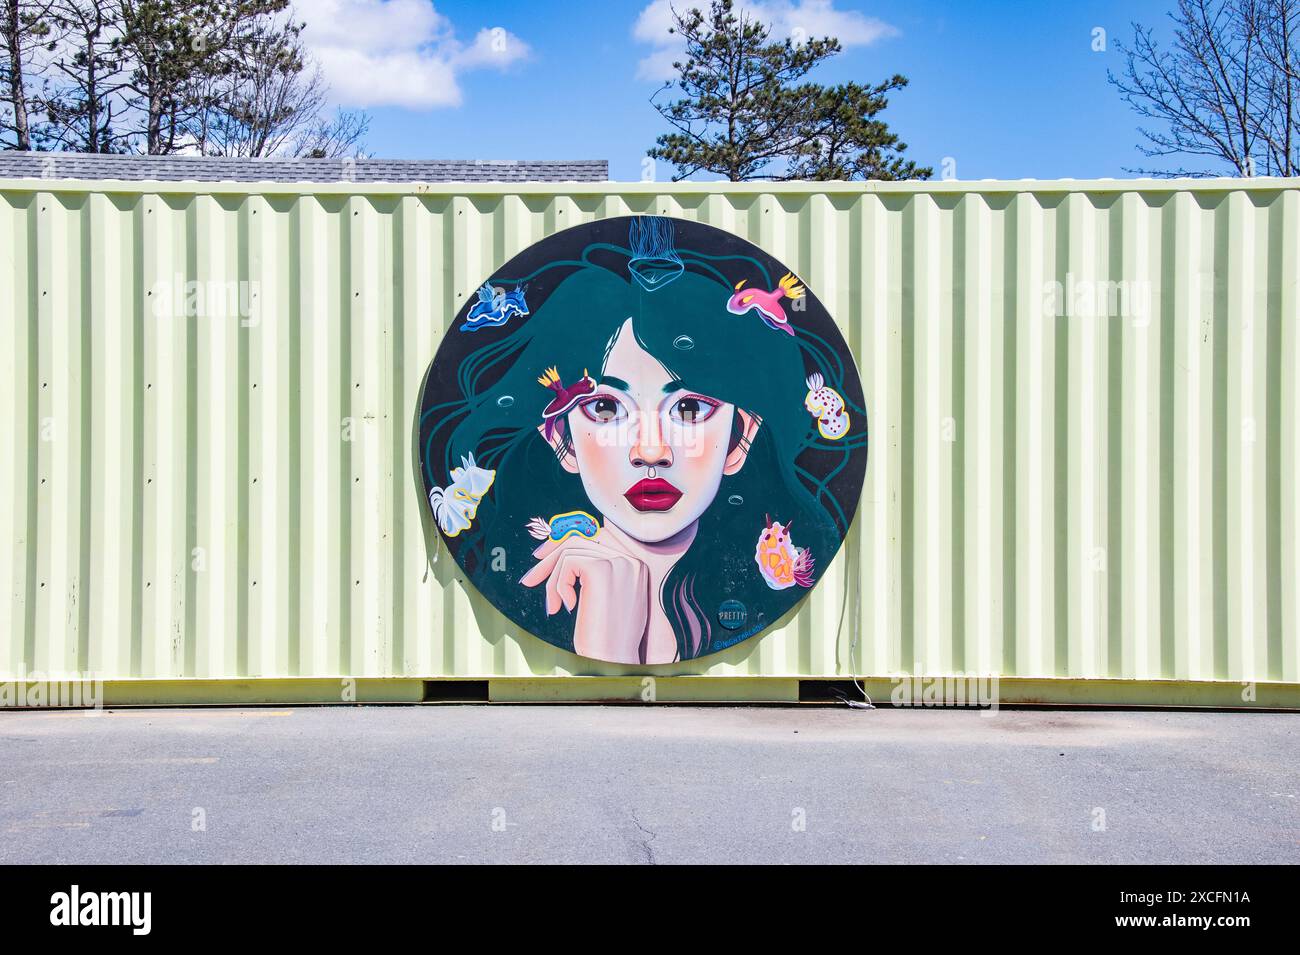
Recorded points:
(807, 19)
(399, 52)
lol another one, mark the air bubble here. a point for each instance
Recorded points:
(684, 342)
(505, 401)
(735, 499)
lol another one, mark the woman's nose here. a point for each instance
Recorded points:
(649, 449)
(651, 455)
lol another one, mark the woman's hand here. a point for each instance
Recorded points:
(614, 608)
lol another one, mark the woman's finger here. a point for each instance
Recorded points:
(610, 540)
(545, 569)
(603, 540)
(542, 569)
(569, 569)
(549, 546)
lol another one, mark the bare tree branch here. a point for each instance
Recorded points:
(1225, 89)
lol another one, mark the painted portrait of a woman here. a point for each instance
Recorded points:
(643, 440)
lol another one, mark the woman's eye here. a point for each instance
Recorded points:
(693, 410)
(602, 410)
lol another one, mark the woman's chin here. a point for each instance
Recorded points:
(650, 527)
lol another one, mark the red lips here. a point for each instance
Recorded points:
(652, 494)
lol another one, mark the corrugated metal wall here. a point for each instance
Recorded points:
(233, 494)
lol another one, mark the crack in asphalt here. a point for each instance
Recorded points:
(645, 843)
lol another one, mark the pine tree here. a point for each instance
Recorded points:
(746, 113)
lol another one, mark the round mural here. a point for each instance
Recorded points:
(643, 439)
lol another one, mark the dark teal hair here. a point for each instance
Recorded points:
(684, 323)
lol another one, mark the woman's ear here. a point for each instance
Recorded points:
(749, 425)
(568, 460)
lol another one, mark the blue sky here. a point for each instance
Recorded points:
(1008, 90)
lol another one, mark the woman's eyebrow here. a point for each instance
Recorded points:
(613, 382)
(674, 385)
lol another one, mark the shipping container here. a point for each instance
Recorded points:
(1085, 439)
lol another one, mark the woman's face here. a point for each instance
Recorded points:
(651, 450)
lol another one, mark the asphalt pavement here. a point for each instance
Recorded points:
(652, 784)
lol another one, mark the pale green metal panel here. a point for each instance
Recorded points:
(230, 495)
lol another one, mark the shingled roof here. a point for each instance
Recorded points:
(58, 165)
